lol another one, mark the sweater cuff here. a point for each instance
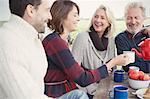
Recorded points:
(103, 71)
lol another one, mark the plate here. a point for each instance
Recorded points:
(140, 93)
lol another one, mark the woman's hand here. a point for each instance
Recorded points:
(120, 60)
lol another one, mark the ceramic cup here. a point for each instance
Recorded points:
(119, 75)
(131, 56)
(119, 92)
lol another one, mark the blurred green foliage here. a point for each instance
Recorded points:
(85, 23)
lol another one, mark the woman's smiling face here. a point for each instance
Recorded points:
(100, 21)
(70, 23)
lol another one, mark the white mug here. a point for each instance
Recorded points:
(131, 56)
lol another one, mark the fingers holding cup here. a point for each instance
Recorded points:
(130, 57)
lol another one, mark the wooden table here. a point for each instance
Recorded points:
(107, 84)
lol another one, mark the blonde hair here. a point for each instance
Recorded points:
(135, 5)
(110, 17)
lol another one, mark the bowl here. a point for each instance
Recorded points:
(138, 84)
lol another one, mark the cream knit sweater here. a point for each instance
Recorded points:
(23, 62)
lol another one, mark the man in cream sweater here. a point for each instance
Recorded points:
(23, 62)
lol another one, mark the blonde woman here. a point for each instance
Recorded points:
(96, 47)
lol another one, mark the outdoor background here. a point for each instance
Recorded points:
(88, 7)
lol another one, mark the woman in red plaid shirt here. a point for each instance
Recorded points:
(63, 71)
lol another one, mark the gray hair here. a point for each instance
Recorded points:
(135, 5)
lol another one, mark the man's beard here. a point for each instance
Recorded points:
(131, 31)
(134, 29)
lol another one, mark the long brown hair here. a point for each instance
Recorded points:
(60, 10)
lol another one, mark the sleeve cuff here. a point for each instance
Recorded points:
(103, 71)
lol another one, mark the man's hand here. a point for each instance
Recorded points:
(147, 30)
